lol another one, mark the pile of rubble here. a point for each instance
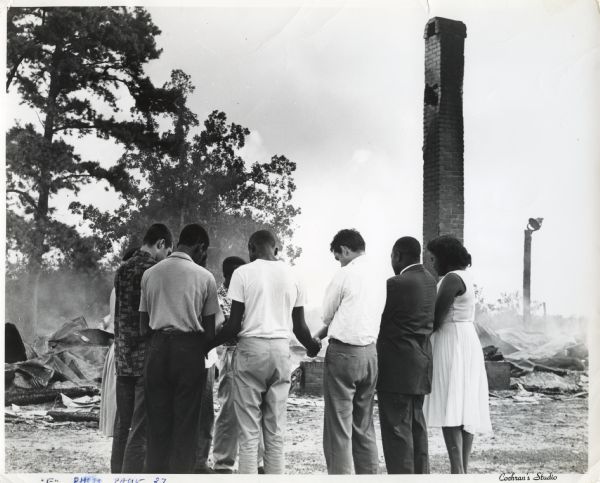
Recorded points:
(63, 371)
(64, 409)
(538, 362)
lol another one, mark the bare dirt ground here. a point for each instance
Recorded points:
(549, 436)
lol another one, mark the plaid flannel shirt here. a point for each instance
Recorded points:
(130, 345)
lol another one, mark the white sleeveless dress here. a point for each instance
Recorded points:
(459, 388)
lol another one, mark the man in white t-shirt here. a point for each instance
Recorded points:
(267, 305)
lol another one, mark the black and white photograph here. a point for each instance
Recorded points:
(301, 238)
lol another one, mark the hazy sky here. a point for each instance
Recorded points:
(339, 90)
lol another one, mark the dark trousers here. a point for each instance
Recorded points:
(129, 440)
(174, 380)
(403, 433)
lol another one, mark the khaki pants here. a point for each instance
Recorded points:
(207, 420)
(349, 380)
(225, 441)
(262, 370)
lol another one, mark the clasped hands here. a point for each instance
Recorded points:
(316, 347)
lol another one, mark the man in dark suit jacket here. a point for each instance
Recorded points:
(405, 365)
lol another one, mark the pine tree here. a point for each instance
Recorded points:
(72, 66)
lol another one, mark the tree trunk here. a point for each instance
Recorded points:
(181, 222)
(39, 248)
(33, 282)
(30, 312)
(180, 133)
(41, 215)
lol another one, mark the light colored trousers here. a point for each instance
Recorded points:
(262, 371)
(349, 380)
(225, 440)
(207, 419)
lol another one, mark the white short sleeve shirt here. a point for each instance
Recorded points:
(354, 302)
(269, 291)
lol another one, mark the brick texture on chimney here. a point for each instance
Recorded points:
(443, 147)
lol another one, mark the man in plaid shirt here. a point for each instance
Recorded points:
(129, 441)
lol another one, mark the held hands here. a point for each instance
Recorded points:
(316, 347)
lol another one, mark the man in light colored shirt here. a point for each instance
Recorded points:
(352, 310)
(225, 449)
(178, 303)
(207, 415)
(207, 406)
(267, 304)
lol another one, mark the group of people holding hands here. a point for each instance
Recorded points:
(412, 343)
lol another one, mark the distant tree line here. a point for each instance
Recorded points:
(74, 67)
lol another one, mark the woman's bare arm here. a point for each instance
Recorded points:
(452, 286)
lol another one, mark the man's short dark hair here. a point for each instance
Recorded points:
(194, 234)
(408, 245)
(156, 232)
(350, 238)
(263, 238)
(230, 264)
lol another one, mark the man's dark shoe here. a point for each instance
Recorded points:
(261, 470)
(223, 471)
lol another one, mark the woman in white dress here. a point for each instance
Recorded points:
(458, 402)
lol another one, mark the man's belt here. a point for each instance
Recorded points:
(336, 341)
(178, 333)
(339, 342)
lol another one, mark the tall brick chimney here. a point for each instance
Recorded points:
(443, 146)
